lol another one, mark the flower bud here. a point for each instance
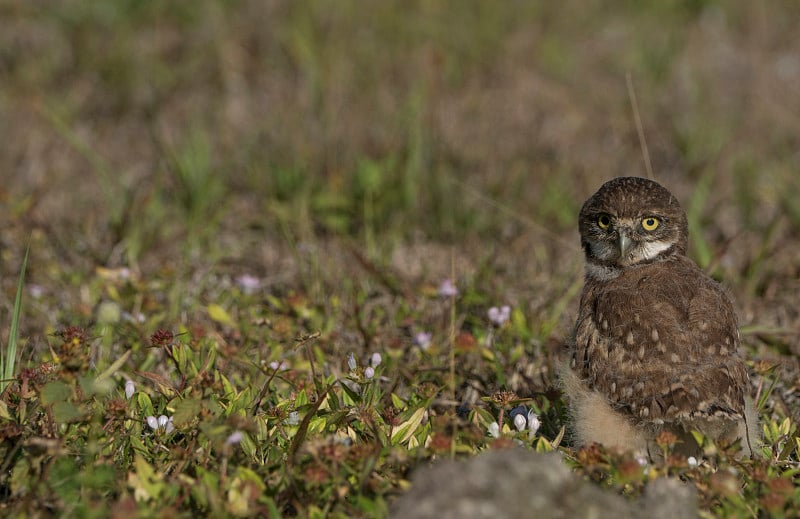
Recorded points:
(520, 422)
(533, 422)
(130, 389)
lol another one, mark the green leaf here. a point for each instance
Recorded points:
(398, 402)
(350, 398)
(96, 386)
(138, 446)
(145, 481)
(483, 416)
(21, 476)
(100, 477)
(336, 418)
(301, 399)
(145, 405)
(227, 387)
(185, 411)
(317, 425)
(543, 445)
(61, 478)
(220, 315)
(402, 432)
(246, 474)
(55, 391)
(207, 483)
(557, 441)
(302, 429)
(115, 366)
(4, 414)
(64, 412)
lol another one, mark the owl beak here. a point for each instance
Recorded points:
(624, 244)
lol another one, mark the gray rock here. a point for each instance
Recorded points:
(516, 483)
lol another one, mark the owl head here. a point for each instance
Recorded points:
(629, 221)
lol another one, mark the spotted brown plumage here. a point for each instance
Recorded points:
(656, 344)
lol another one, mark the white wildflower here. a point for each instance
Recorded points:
(130, 389)
(275, 365)
(423, 340)
(447, 289)
(499, 316)
(163, 423)
(519, 422)
(152, 421)
(248, 283)
(533, 422)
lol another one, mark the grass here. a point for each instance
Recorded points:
(8, 355)
(226, 203)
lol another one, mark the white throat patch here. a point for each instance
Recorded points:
(649, 250)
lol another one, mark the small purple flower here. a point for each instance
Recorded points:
(130, 389)
(447, 289)
(351, 362)
(499, 316)
(275, 365)
(293, 419)
(234, 438)
(423, 340)
(375, 360)
(369, 372)
(248, 283)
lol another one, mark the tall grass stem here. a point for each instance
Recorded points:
(9, 356)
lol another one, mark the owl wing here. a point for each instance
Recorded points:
(661, 343)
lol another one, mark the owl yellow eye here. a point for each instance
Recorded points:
(603, 221)
(650, 223)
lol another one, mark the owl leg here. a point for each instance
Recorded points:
(744, 429)
(594, 420)
(748, 429)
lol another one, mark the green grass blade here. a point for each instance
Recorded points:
(10, 357)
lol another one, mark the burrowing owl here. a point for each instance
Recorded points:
(656, 341)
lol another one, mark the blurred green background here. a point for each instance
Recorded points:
(142, 134)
